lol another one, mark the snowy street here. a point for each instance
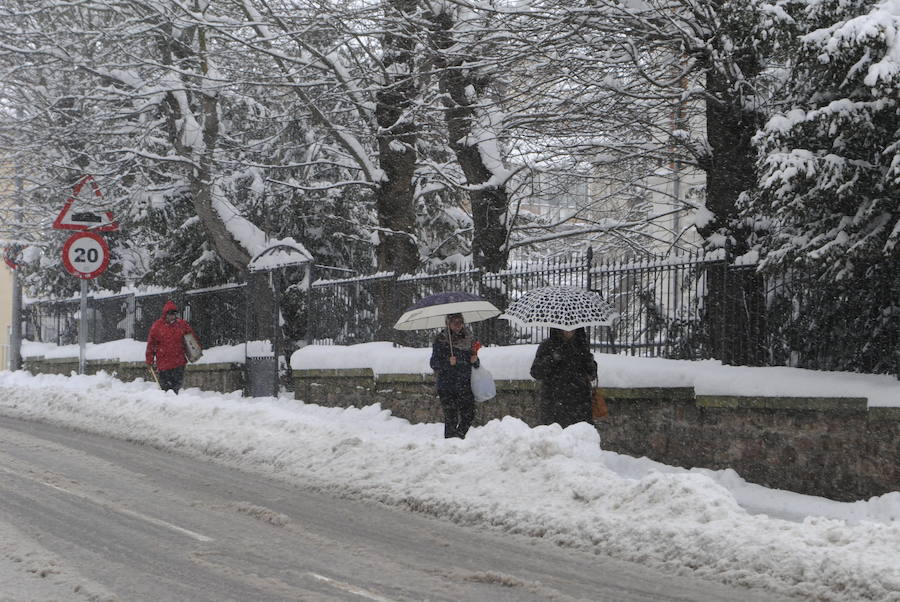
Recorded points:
(546, 484)
(149, 524)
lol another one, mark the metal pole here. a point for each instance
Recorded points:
(276, 325)
(82, 327)
(307, 289)
(589, 261)
(129, 316)
(247, 315)
(15, 332)
(723, 308)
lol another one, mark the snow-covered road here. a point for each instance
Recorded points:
(151, 524)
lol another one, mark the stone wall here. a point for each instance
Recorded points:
(409, 396)
(832, 447)
(221, 377)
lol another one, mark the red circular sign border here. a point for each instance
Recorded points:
(71, 268)
(9, 262)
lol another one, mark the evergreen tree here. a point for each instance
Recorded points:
(827, 208)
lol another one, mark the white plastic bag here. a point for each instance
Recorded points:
(483, 387)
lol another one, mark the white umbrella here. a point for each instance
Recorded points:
(563, 307)
(432, 311)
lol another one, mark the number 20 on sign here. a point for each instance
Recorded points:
(85, 255)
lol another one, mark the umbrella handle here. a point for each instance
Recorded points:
(450, 340)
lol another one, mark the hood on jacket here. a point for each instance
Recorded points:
(169, 306)
(461, 340)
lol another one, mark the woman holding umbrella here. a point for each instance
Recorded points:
(454, 352)
(564, 362)
(565, 366)
(453, 355)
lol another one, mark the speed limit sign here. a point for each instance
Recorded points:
(85, 255)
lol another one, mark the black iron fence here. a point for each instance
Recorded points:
(661, 303)
(219, 313)
(683, 307)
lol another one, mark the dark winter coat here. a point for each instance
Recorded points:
(165, 342)
(453, 380)
(565, 369)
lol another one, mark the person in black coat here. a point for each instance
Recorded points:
(452, 360)
(565, 366)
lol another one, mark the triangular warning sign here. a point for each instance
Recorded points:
(68, 219)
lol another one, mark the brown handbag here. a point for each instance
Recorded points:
(599, 409)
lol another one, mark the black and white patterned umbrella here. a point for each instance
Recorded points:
(563, 307)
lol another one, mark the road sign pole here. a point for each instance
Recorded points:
(85, 255)
(15, 330)
(82, 328)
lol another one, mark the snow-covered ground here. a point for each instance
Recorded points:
(546, 482)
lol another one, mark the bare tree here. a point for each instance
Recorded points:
(466, 65)
(143, 100)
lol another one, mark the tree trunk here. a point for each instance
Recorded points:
(489, 205)
(223, 241)
(461, 90)
(731, 165)
(397, 250)
(395, 202)
(735, 305)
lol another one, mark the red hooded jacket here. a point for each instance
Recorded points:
(165, 342)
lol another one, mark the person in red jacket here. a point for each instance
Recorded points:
(165, 347)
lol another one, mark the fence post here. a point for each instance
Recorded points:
(308, 288)
(277, 347)
(725, 306)
(129, 316)
(15, 333)
(589, 261)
